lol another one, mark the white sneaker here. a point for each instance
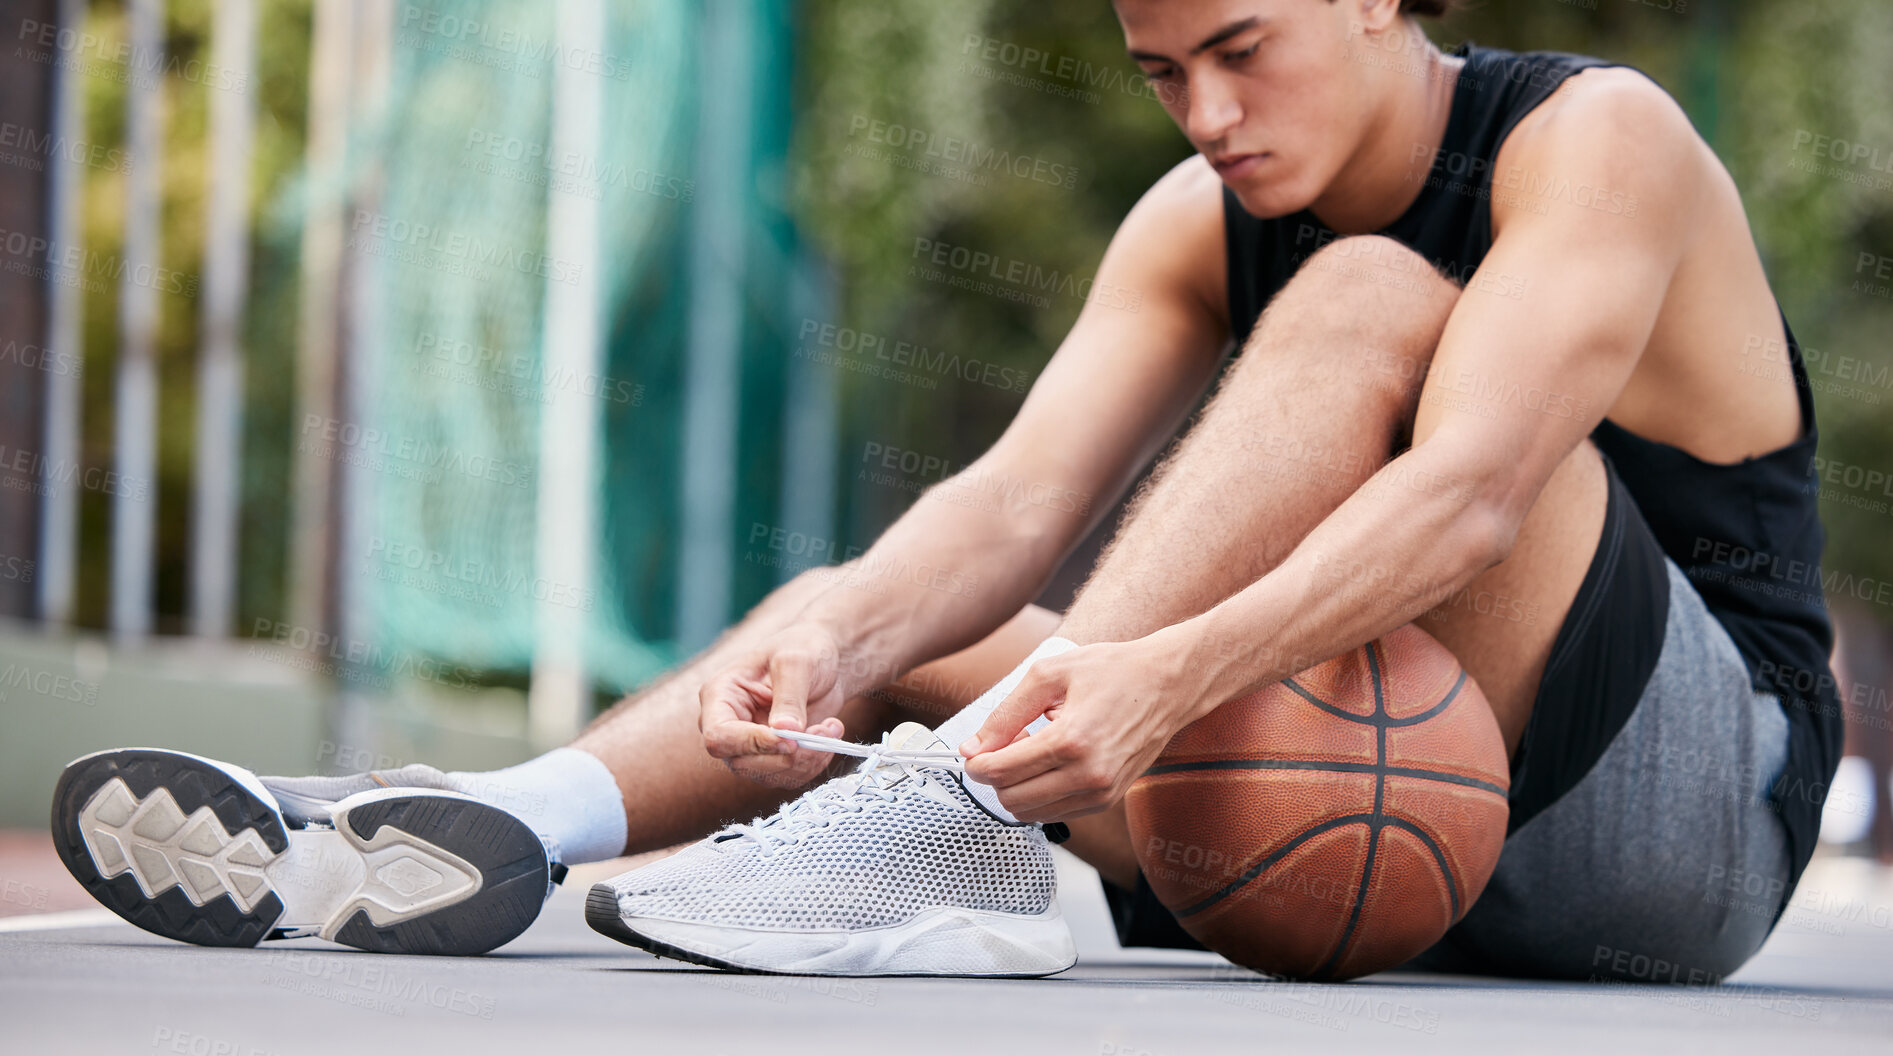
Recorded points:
(890, 870)
(208, 853)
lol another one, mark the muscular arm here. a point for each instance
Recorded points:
(1593, 285)
(980, 546)
(1565, 302)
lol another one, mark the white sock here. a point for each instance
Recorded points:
(567, 794)
(958, 728)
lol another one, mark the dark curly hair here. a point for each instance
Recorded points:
(1427, 8)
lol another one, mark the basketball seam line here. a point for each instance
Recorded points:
(1375, 821)
(1373, 827)
(1329, 766)
(1379, 719)
(1439, 857)
(1262, 866)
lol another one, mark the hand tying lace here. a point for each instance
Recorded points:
(884, 766)
(875, 754)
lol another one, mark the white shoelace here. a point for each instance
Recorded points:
(878, 753)
(872, 781)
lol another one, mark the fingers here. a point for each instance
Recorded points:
(830, 727)
(1020, 761)
(728, 706)
(791, 675)
(770, 689)
(1076, 806)
(1045, 777)
(787, 770)
(1057, 796)
(1038, 691)
(736, 739)
(782, 771)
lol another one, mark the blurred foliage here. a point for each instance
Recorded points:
(281, 89)
(269, 404)
(918, 69)
(1753, 75)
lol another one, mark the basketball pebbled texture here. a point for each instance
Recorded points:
(1334, 824)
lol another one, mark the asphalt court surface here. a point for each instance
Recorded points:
(74, 982)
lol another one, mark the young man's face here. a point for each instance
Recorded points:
(1274, 93)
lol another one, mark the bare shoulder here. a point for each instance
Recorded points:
(1612, 102)
(1172, 239)
(1609, 131)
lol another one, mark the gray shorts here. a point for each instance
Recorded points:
(1668, 862)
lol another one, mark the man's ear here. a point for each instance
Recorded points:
(1375, 16)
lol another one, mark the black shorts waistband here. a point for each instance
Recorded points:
(1600, 662)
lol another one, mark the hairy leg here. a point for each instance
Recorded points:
(675, 792)
(1324, 392)
(1330, 386)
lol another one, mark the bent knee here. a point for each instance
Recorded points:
(1374, 263)
(1367, 304)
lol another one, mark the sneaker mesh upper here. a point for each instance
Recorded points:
(871, 862)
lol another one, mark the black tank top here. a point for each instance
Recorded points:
(1748, 535)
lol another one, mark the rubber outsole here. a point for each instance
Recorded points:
(192, 785)
(510, 857)
(514, 871)
(602, 913)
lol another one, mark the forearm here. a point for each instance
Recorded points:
(1420, 529)
(965, 558)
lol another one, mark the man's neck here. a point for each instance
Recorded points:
(1382, 179)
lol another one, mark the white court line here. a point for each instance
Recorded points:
(76, 918)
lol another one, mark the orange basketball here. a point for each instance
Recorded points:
(1334, 824)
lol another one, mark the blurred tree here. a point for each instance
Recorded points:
(915, 118)
(1760, 78)
(26, 103)
(281, 87)
(902, 106)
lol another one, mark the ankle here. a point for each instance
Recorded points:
(567, 795)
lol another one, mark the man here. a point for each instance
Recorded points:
(1512, 311)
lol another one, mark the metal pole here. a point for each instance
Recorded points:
(567, 513)
(361, 365)
(65, 341)
(220, 367)
(136, 427)
(318, 330)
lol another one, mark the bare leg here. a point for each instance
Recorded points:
(1328, 389)
(675, 792)
(1324, 393)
